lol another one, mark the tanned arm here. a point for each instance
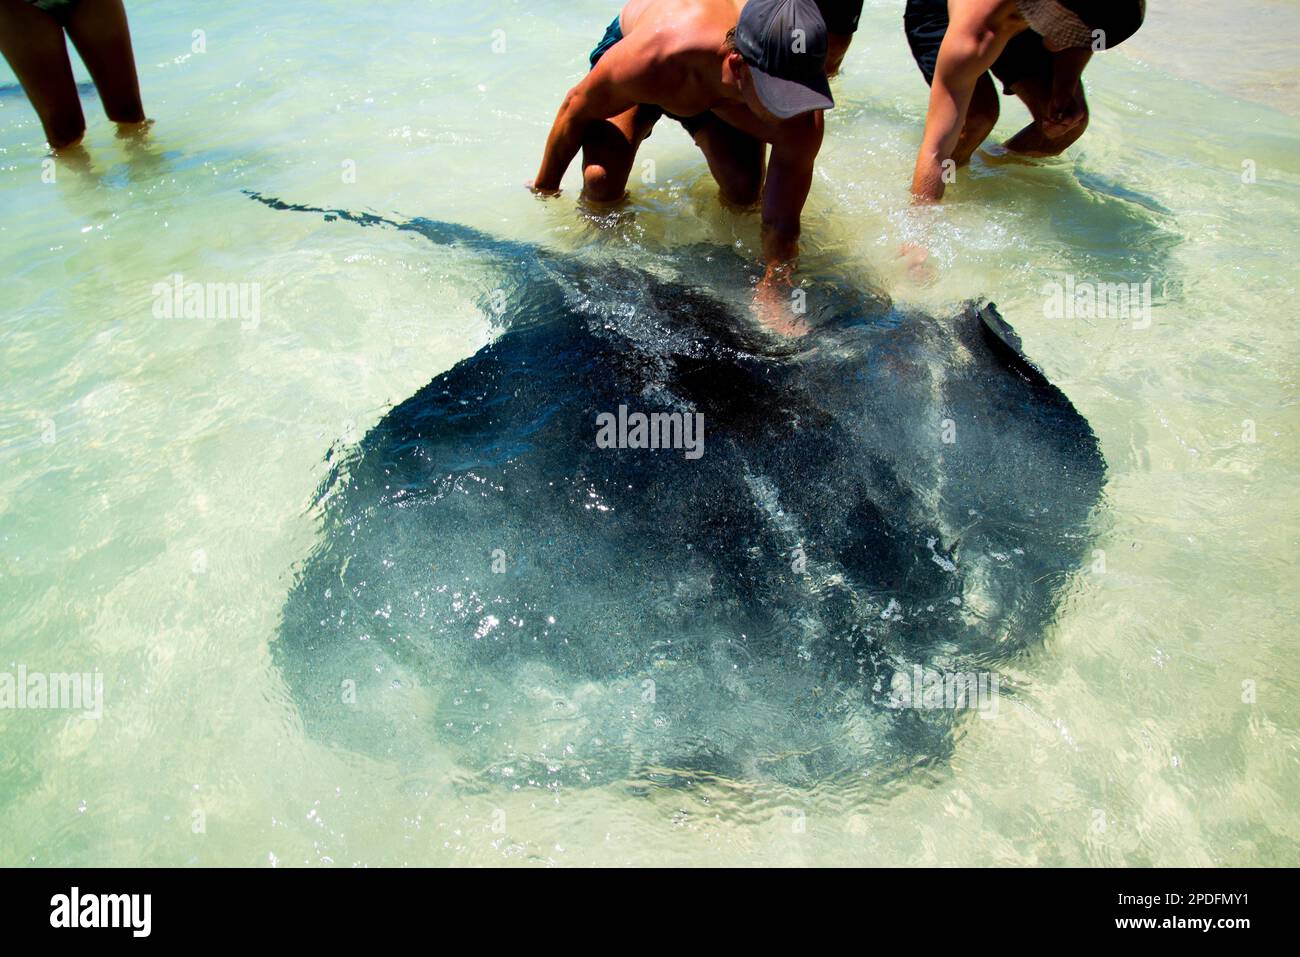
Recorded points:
(608, 90)
(969, 48)
(789, 177)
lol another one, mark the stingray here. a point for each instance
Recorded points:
(509, 575)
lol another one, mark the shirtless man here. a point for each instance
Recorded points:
(736, 75)
(1037, 48)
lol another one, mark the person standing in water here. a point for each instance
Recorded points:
(736, 76)
(1037, 48)
(32, 40)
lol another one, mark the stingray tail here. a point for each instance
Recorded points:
(436, 231)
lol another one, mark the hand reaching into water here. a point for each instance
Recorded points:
(915, 258)
(774, 305)
(542, 191)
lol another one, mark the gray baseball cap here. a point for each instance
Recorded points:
(784, 43)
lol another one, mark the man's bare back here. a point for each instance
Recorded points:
(675, 44)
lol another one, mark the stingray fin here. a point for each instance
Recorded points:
(1005, 343)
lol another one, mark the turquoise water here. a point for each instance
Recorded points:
(157, 472)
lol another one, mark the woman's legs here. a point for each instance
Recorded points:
(99, 31)
(32, 41)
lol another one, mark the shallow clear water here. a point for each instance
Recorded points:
(158, 473)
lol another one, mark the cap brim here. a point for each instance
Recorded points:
(787, 98)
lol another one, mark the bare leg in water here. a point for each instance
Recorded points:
(33, 42)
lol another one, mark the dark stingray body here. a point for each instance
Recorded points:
(887, 491)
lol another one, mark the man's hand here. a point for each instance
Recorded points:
(774, 303)
(915, 258)
(541, 190)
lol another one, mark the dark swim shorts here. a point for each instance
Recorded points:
(61, 10)
(614, 33)
(841, 16)
(926, 21)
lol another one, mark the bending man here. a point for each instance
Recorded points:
(1037, 48)
(736, 75)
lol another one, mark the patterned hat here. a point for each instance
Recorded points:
(1073, 23)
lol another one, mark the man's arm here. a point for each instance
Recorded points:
(789, 177)
(608, 90)
(969, 48)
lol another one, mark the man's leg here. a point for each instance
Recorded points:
(737, 161)
(1027, 69)
(99, 31)
(32, 41)
(608, 151)
(1036, 93)
(981, 117)
(841, 23)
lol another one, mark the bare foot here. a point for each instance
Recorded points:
(134, 131)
